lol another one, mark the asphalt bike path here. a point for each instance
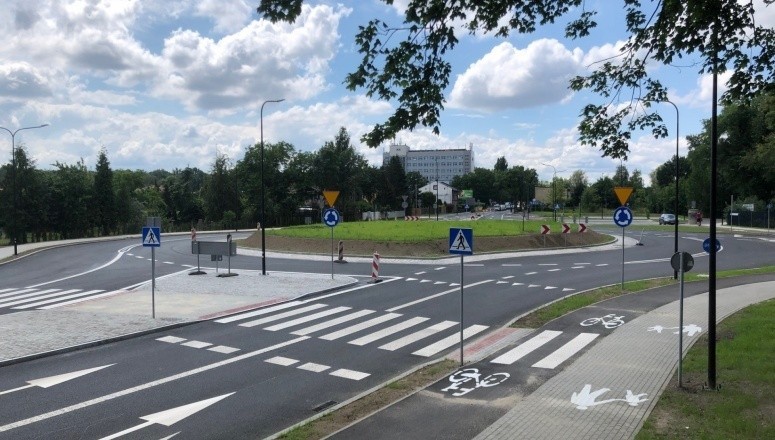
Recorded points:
(480, 393)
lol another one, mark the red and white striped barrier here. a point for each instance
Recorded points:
(375, 269)
(411, 218)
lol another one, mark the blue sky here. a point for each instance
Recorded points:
(170, 83)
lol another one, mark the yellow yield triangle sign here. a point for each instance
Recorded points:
(623, 193)
(330, 196)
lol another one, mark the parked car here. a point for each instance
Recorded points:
(667, 219)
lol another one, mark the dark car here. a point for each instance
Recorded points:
(667, 219)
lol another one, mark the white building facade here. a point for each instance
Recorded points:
(441, 165)
(446, 193)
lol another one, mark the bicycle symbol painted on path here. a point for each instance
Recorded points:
(608, 321)
(472, 379)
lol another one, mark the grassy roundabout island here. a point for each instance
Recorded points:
(425, 238)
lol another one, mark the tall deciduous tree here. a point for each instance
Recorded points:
(408, 63)
(71, 195)
(220, 193)
(104, 205)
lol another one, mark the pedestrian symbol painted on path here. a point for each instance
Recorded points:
(690, 329)
(586, 398)
(461, 241)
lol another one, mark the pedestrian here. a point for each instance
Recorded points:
(699, 218)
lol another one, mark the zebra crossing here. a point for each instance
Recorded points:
(387, 331)
(361, 327)
(45, 299)
(553, 359)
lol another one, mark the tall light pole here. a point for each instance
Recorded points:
(263, 190)
(13, 166)
(554, 195)
(677, 117)
(437, 189)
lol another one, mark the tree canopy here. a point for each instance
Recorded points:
(408, 64)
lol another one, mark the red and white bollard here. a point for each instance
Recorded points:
(341, 253)
(193, 234)
(375, 269)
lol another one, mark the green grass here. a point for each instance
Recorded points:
(419, 231)
(743, 407)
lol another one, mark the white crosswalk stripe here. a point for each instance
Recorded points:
(365, 327)
(358, 327)
(449, 341)
(416, 336)
(555, 358)
(29, 298)
(384, 333)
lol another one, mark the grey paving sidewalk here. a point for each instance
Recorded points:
(634, 363)
(179, 298)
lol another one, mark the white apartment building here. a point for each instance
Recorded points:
(441, 165)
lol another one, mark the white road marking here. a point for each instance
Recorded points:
(349, 374)
(67, 294)
(568, 290)
(74, 301)
(518, 284)
(388, 331)
(549, 288)
(168, 262)
(332, 322)
(34, 296)
(17, 292)
(601, 265)
(533, 285)
(547, 264)
(283, 315)
(439, 282)
(511, 264)
(449, 341)
(145, 386)
(427, 298)
(280, 360)
(440, 268)
(526, 347)
(358, 327)
(577, 267)
(530, 273)
(553, 270)
(411, 279)
(507, 277)
(566, 351)
(315, 368)
(257, 312)
(418, 335)
(307, 318)
(420, 273)
(425, 281)
(171, 339)
(223, 349)
(196, 344)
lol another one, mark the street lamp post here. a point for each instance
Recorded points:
(677, 117)
(13, 167)
(554, 195)
(263, 190)
(437, 189)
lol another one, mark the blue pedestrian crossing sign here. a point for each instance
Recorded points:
(623, 216)
(461, 241)
(331, 217)
(151, 236)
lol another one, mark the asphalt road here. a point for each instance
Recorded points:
(285, 370)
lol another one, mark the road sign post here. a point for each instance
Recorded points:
(331, 218)
(623, 218)
(681, 262)
(461, 242)
(152, 239)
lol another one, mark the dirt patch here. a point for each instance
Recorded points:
(431, 248)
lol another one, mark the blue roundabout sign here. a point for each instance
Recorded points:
(623, 216)
(331, 217)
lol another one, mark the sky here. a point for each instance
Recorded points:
(166, 84)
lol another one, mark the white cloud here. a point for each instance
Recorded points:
(508, 77)
(229, 15)
(261, 60)
(22, 81)
(702, 95)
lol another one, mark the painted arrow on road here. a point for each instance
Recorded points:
(544, 229)
(171, 416)
(50, 381)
